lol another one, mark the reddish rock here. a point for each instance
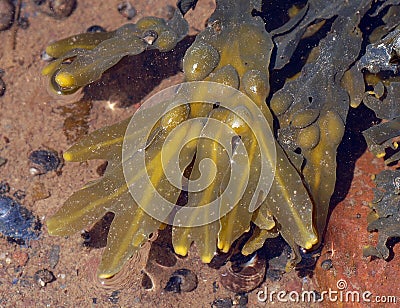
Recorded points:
(344, 240)
(20, 258)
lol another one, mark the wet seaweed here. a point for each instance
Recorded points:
(342, 68)
(385, 215)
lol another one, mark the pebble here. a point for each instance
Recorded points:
(54, 255)
(38, 191)
(215, 287)
(113, 298)
(7, 11)
(20, 258)
(126, 9)
(2, 161)
(222, 303)
(62, 8)
(4, 187)
(19, 194)
(43, 277)
(25, 283)
(96, 29)
(2, 86)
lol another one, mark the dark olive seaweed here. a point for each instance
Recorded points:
(346, 66)
(385, 215)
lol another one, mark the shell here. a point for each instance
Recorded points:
(182, 280)
(246, 277)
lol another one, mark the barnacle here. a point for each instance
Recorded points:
(215, 130)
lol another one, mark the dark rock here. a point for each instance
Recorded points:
(43, 277)
(7, 11)
(96, 29)
(222, 303)
(62, 8)
(126, 9)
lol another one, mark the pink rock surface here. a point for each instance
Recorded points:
(344, 240)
